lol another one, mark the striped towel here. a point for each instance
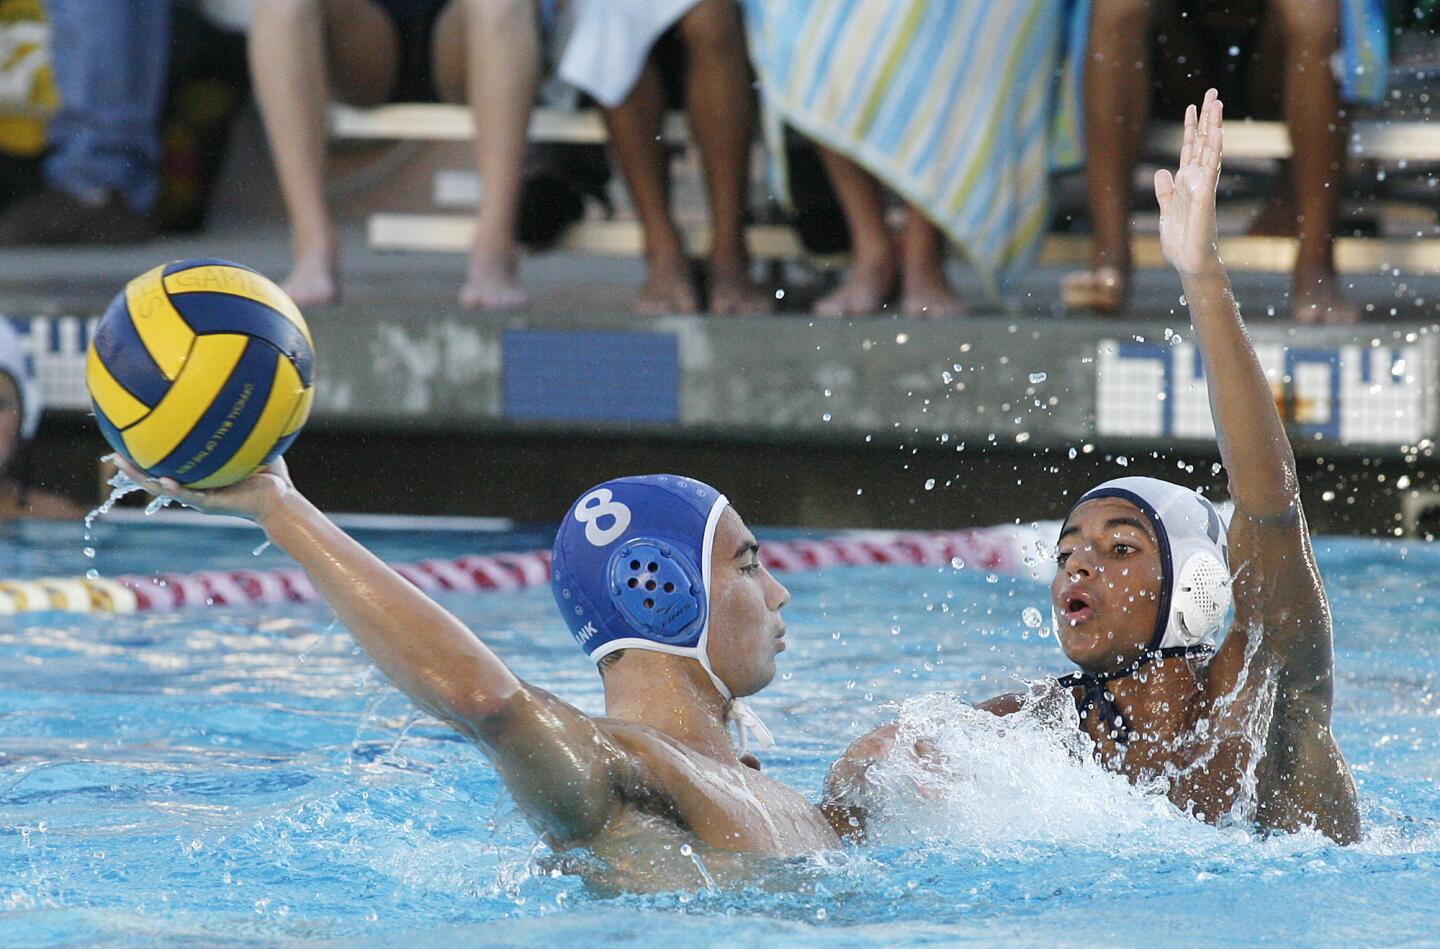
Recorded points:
(1364, 51)
(947, 102)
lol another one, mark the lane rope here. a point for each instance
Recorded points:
(1003, 549)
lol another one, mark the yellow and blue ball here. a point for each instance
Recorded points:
(202, 371)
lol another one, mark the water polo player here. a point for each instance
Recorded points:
(660, 583)
(1143, 582)
(20, 407)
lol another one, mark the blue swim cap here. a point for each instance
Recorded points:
(631, 567)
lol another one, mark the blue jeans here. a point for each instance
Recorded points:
(110, 59)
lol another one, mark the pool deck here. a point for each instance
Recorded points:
(532, 407)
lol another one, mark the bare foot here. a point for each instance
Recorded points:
(1320, 302)
(732, 292)
(1101, 290)
(490, 285)
(313, 281)
(868, 290)
(670, 289)
(929, 295)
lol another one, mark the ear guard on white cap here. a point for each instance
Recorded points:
(13, 364)
(1202, 597)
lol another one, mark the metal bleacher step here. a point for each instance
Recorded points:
(1407, 142)
(450, 233)
(1381, 141)
(428, 121)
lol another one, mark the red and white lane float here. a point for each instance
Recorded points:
(1004, 549)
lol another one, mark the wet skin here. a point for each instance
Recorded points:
(1262, 705)
(658, 772)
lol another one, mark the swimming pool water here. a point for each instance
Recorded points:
(243, 775)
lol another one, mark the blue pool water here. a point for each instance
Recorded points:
(243, 775)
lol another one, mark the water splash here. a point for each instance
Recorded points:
(1004, 784)
(158, 503)
(121, 484)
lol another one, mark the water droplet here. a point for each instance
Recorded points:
(1031, 617)
(90, 552)
(929, 484)
(686, 850)
(1038, 377)
(956, 563)
(779, 294)
(264, 546)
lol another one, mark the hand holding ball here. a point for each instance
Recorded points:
(201, 371)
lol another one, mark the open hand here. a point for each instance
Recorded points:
(1187, 198)
(253, 498)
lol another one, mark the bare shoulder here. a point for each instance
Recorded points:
(642, 742)
(1007, 704)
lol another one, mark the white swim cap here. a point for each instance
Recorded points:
(14, 365)
(1194, 561)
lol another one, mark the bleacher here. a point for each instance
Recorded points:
(1401, 144)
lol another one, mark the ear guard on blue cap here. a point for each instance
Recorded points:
(657, 589)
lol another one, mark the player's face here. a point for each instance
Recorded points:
(1106, 589)
(9, 420)
(746, 631)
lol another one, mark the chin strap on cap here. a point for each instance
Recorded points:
(749, 726)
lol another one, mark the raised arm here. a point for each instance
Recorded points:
(558, 766)
(1282, 630)
(1253, 444)
(1277, 588)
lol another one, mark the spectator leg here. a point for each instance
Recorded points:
(488, 52)
(721, 107)
(924, 289)
(635, 127)
(1317, 133)
(870, 285)
(291, 44)
(110, 62)
(1117, 109)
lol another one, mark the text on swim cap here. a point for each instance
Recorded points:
(596, 505)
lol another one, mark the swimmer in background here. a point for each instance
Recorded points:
(20, 408)
(1143, 581)
(661, 584)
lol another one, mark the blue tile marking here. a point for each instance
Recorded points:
(607, 377)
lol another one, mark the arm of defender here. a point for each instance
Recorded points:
(1278, 593)
(1277, 587)
(557, 764)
